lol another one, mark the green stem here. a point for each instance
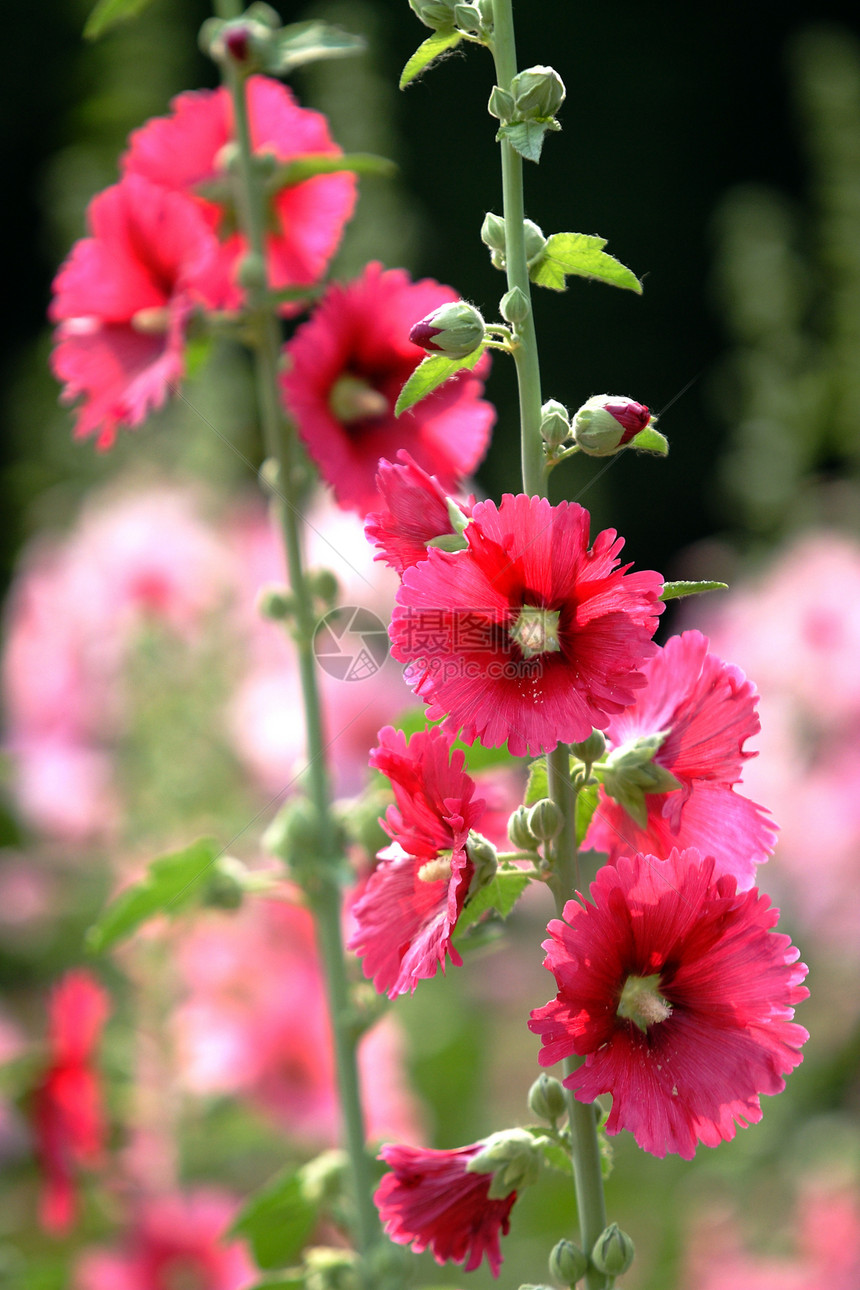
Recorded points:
(525, 339)
(280, 446)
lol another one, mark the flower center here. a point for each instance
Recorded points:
(153, 321)
(438, 869)
(642, 1003)
(536, 631)
(353, 399)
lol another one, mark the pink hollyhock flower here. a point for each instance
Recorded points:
(706, 709)
(347, 365)
(67, 1104)
(431, 1199)
(678, 995)
(528, 637)
(408, 910)
(186, 152)
(416, 511)
(123, 299)
(174, 1240)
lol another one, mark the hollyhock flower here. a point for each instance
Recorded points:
(416, 512)
(528, 637)
(705, 710)
(407, 912)
(679, 996)
(174, 1240)
(431, 1198)
(67, 1105)
(347, 365)
(187, 152)
(123, 299)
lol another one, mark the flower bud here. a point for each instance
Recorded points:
(438, 14)
(456, 330)
(512, 1157)
(613, 1251)
(631, 772)
(331, 1269)
(276, 603)
(501, 104)
(591, 749)
(535, 240)
(251, 272)
(547, 1098)
(514, 306)
(225, 884)
(554, 424)
(607, 422)
(493, 232)
(519, 832)
(468, 18)
(538, 93)
(567, 1263)
(485, 859)
(323, 585)
(544, 820)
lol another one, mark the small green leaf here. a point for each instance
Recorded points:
(327, 163)
(107, 13)
(296, 1282)
(169, 885)
(674, 590)
(526, 137)
(500, 895)
(433, 47)
(430, 374)
(308, 42)
(538, 784)
(278, 1220)
(650, 440)
(586, 805)
(581, 254)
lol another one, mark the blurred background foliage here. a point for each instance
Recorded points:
(718, 149)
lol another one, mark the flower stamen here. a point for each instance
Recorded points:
(642, 1003)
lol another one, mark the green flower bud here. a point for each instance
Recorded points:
(512, 1157)
(455, 330)
(567, 1263)
(438, 14)
(544, 820)
(606, 422)
(269, 476)
(225, 884)
(276, 603)
(323, 584)
(514, 306)
(613, 1251)
(554, 424)
(330, 1269)
(326, 1177)
(631, 772)
(535, 240)
(538, 93)
(547, 1098)
(484, 857)
(493, 232)
(519, 831)
(591, 749)
(468, 18)
(501, 104)
(251, 273)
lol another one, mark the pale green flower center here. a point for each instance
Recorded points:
(352, 399)
(436, 869)
(642, 1003)
(536, 631)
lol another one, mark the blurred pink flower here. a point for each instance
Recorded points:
(172, 1241)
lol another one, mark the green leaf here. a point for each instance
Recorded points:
(537, 787)
(169, 885)
(581, 254)
(586, 805)
(674, 590)
(308, 42)
(429, 375)
(107, 13)
(327, 163)
(278, 1220)
(439, 43)
(500, 895)
(553, 1153)
(296, 1282)
(650, 440)
(526, 137)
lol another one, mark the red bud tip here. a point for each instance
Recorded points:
(630, 414)
(422, 334)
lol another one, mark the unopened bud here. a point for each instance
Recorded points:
(547, 1098)
(437, 14)
(567, 1263)
(519, 832)
(485, 859)
(225, 884)
(455, 330)
(501, 104)
(606, 422)
(276, 603)
(331, 1269)
(545, 820)
(493, 232)
(538, 93)
(514, 306)
(535, 240)
(591, 749)
(512, 1157)
(323, 584)
(554, 424)
(613, 1251)
(468, 18)
(251, 273)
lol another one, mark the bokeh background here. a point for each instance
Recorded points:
(718, 150)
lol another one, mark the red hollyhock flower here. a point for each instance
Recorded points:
(186, 152)
(431, 1200)
(679, 996)
(528, 636)
(416, 511)
(408, 910)
(67, 1106)
(123, 299)
(348, 364)
(708, 710)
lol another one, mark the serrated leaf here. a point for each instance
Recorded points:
(674, 590)
(169, 885)
(278, 1220)
(586, 804)
(581, 254)
(499, 895)
(526, 137)
(308, 42)
(430, 374)
(537, 787)
(107, 13)
(433, 47)
(326, 163)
